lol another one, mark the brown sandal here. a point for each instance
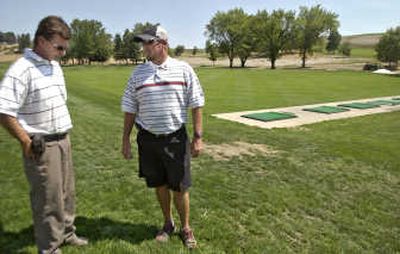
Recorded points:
(164, 234)
(188, 238)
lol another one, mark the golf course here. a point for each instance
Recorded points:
(329, 187)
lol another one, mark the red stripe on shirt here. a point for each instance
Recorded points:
(177, 83)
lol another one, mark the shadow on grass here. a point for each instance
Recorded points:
(96, 229)
(13, 242)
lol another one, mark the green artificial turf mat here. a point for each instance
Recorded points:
(326, 109)
(384, 102)
(270, 116)
(358, 105)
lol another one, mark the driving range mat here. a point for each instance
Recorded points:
(358, 105)
(270, 116)
(385, 102)
(327, 109)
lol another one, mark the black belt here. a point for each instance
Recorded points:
(55, 137)
(143, 130)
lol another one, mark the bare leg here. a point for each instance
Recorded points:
(164, 198)
(181, 200)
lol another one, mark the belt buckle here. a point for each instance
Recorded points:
(161, 135)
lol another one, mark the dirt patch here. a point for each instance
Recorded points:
(318, 61)
(6, 58)
(237, 149)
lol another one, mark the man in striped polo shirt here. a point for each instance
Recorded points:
(33, 109)
(156, 100)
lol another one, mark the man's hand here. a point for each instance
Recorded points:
(196, 146)
(27, 149)
(11, 124)
(126, 148)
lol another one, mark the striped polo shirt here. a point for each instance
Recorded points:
(33, 91)
(160, 95)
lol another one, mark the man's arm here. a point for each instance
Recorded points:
(197, 142)
(129, 121)
(14, 128)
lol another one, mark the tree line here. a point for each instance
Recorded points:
(232, 34)
(90, 43)
(9, 38)
(237, 34)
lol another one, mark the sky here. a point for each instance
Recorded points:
(185, 20)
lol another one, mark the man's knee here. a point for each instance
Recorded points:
(181, 194)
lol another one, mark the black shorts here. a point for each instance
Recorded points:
(165, 160)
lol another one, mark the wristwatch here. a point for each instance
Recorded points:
(197, 134)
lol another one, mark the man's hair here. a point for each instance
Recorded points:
(50, 26)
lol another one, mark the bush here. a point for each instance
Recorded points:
(179, 50)
(345, 49)
(388, 47)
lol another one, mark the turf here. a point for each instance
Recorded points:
(359, 105)
(326, 109)
(270, 116)
(384, 102)
(333, 187)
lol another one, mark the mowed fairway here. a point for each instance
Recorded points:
(334, 187)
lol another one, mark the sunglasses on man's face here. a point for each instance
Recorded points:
(149, 42)
(157, 41)
(59, 47)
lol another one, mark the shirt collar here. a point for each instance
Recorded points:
(30, 54)
(164, 65)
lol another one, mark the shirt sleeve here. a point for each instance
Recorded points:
(195, 91)
(129, 101)
(12, 95)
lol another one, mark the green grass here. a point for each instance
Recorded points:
(333, 188)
